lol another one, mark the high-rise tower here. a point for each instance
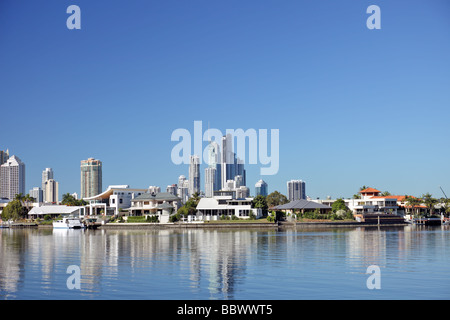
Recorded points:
(194, 175)
(91, 178)
(47, 174)
(12, 178)
(296, 190)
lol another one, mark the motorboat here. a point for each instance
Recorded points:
(68, 223)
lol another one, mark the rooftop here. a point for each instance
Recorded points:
(162, 196)
(108, 192)
(302, 204)
(370, 190)
(53, 209)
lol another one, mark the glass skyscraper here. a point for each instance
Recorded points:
(231, 166)
(261, 188)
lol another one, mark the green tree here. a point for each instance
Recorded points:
(69, 200)
(339, 204)
(276, 199)
(28, 201)
(13, 210)
(189, 208)
(429, 202)
(260, 201)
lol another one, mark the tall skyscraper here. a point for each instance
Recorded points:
(261, 188)
(51, 191)
(183, 189)
(210, 181)
(194, 175)
(154, 189)
(213, 171)
(4, 155)
(37, 194)
(91, 178)
(230, 165)
(296, 190)
(172, 189)
(226, 158)
(47, 174)
(12, 178)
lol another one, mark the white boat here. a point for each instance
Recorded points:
(68, 223)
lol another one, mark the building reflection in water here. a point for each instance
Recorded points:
(212, 263)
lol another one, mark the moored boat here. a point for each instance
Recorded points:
(68, 223)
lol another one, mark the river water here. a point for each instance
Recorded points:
(412, 262)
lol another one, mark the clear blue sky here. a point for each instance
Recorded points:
(354, 106)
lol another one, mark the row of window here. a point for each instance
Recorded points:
(226, 212)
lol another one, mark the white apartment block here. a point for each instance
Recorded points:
(12, 178)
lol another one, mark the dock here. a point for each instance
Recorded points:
(427, 221)
(92, 223)
(23, 225)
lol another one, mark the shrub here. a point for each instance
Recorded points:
(134, 219)
(152, 219)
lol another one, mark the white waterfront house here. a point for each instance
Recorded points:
(112, 200)
(372, 202)
(225, 205)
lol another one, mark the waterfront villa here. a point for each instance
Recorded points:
(225, 206)
(162, 204)
(113, 200)
(371, 202)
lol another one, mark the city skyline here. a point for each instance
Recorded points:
(350, 103)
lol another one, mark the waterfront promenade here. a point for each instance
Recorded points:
(244, 225)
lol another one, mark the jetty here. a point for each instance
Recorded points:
(426, 221)
(23, 224)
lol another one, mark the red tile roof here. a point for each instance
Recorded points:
(399, 198)
(369, 190)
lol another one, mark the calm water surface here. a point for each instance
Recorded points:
(307, 263)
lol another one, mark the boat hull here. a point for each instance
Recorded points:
(68, 224)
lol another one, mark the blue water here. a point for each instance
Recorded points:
(289, 264)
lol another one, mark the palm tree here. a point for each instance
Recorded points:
(28, 199)
(429, 202)
(195, 197)
(19, 197)
(413, 202)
